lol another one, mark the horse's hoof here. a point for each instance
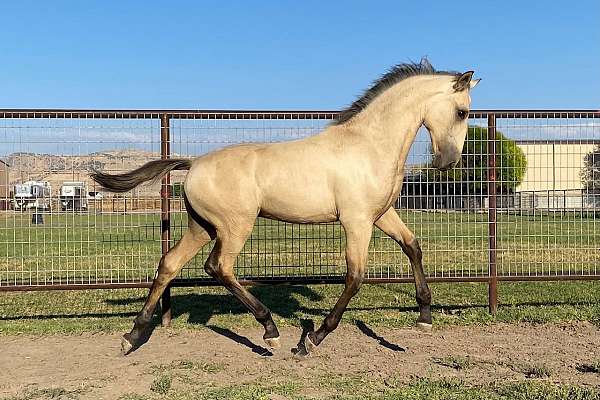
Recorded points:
(300, 353)
(309, 345)
(424, 327)
(126, 345)
(273, 343)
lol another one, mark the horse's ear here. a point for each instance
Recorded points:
(463, 81)
(474, 83)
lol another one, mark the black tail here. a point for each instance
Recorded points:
(152, 170)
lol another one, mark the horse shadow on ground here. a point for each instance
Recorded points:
(287, 301)
(199, 308)
(283, 300)
(243, 340)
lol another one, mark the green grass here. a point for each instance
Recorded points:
(47, 393)
(84, 248)
(72, 312)
(187, 365)
(536, 371)
(390, 305)
(455, 362)
(353, 388)
(529, 370)
(162, 384)
(419, 389)
(348, 388)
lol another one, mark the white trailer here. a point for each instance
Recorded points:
(73, 196)
(32, 194)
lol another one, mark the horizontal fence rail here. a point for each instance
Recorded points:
(524, 204)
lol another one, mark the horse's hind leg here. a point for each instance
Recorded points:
(392, 225)
(220, 264)
(358, 235)
(170, 264)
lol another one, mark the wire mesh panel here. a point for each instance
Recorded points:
(448, 211)
(549, 183)
(531, 213)
(58, 228)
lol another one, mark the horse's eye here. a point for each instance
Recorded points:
(462, 114)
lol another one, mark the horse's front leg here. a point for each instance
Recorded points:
(391, 224)
(358, 235)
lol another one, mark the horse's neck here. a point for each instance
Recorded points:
(391, 122)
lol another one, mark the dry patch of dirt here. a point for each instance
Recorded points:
(90, 366)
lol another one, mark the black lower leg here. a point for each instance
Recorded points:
(267, 322)
(140, 325)
(142, 322)
(423, 294)
(424, 302)
(331, 322)
(258, 309)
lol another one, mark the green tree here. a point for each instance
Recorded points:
(473, 167)
(590, 173)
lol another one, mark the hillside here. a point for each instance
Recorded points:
(57, 169)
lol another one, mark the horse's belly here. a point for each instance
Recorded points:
(298, 209)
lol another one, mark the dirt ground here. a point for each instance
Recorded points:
(93, 364)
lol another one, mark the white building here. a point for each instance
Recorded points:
(553, 173)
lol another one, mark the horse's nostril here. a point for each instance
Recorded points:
(445, 167)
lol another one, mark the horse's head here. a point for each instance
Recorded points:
(446, 117)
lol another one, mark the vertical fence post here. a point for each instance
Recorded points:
(165, 208)
(493, 276)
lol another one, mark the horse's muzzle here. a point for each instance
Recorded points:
(443, 163)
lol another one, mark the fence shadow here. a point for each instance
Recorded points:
(283, 300)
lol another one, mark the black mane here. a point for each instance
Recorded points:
(394, 75)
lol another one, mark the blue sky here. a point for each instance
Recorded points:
(291, 55)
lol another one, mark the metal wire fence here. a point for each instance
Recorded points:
(523, 204)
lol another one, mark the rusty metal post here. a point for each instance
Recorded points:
(165, 214)
(493, 275)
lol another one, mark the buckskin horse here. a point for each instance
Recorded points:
(350, 172)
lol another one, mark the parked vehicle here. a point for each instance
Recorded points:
(73, 196)
(32, 194)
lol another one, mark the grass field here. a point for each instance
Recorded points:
(86, 248)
